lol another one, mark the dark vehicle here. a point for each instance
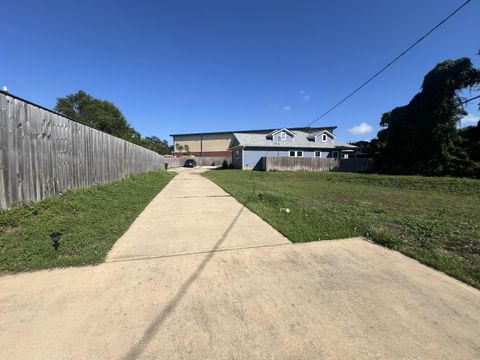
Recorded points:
(190, 163)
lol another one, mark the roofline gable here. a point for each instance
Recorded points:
(313, 136)
(273, 133)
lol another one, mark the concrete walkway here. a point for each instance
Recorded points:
(182, 284)
(191, 215)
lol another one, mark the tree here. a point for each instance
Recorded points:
(99, 114)
(105, 116)
(156, 144)
(366, 148)
(470, 137)
(180, 148)
(422, 137)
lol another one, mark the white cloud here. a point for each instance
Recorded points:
(469, 120)
(305, 96)
(287, 108)
(361, 129)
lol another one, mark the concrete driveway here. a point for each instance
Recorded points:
(192, 215)
(198, 276)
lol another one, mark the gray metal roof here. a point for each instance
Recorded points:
(307, 129)
(299, 141)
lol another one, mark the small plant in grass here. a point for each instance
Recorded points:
(55, 236)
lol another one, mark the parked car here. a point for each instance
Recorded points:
(190, 163)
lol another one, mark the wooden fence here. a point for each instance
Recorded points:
(43, 153)
(316, 164)
(201, 160)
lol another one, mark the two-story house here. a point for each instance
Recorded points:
(248, 149)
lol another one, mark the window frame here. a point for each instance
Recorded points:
(324, 138)
(319, 154)
(237, 154)
(283, 136)
(295, 153)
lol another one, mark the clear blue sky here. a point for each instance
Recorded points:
(188, 66)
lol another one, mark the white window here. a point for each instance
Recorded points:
(237, 154)
(283, 135)
(345, 155)
(335, 154)
(318, 154)
(324, 137)
(295, 153)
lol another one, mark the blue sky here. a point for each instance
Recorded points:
(190, 66)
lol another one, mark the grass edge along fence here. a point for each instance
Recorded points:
(43, 153)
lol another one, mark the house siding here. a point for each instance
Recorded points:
(253, 157)
(205, 154)
(208, 144)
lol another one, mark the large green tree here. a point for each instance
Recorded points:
(105, 116)
(422, 137)
(470, 141)
(154, 143)
(99, 114)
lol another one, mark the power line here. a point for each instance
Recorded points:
(468, 100)
(390, 63)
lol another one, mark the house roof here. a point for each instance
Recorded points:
(301, 141)
(263, 131)
(273, 133)
(314, 135)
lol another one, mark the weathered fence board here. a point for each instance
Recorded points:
(316, 164)
(201, 160)
(43, 153)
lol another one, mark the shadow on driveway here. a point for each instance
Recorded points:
(154, 326)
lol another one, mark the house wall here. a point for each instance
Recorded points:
(210, 144)
(253, 157)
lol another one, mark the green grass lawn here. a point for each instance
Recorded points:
(434, 220)
(90, 220)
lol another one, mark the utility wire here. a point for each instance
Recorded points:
(468, 100)
(390, 63)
